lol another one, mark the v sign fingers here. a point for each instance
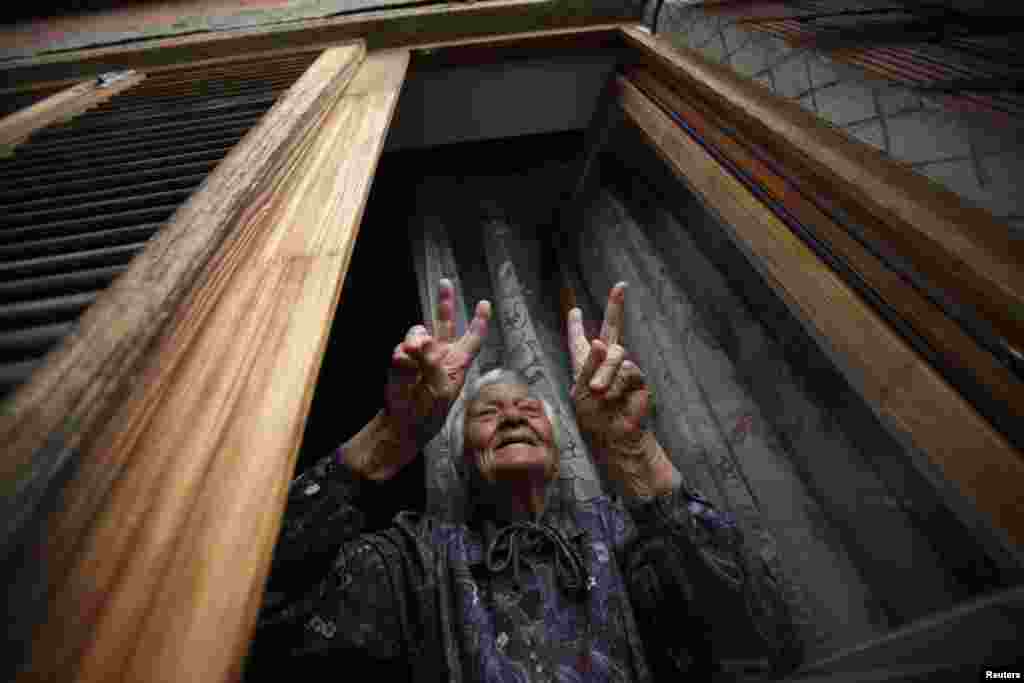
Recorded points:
(579, 347)
(594, 359)
(428, 371)
(606, 374)
(614, 312)
(471, 342)
(444, 316)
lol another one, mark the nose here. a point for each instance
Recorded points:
(512, 414)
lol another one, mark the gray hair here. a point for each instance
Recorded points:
(457, 419)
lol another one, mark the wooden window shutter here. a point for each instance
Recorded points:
(80, 198)
(146, 460)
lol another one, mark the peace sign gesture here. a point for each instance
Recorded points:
(612, 402)
(428, 370)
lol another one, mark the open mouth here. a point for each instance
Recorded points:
(516, 438)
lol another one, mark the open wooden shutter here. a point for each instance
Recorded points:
(171, 417)
(81, 198)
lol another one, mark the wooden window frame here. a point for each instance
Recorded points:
(122, 508)
(965, 250)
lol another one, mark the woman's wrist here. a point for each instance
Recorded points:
(380, 449)
(641, 468)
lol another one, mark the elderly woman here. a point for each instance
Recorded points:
(531, 588)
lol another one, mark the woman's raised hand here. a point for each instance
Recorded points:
(610, 392)
(428, 370)
(612, 402)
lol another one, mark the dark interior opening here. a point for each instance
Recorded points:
(379, 300)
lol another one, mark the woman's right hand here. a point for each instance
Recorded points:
(428, 371)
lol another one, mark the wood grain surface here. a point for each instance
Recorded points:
(960, 248)
(907, 394)
(106, 549)
(952, 346)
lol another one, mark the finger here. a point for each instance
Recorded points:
(611, 328)
(426, 353)
(632, 376)
(629, 379)
(402, 361)
(597, 354)
(579, 347)
(471, 342)
(414, 333)
(605, 374)
(444, 317)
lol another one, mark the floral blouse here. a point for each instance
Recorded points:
(590, 592)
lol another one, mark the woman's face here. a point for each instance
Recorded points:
(508, 434)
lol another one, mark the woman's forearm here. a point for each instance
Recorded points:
(642, 470)
(379, 450)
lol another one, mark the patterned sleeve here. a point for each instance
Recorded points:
(338, 579)
(688, 561)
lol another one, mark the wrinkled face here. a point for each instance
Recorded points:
(508, 434)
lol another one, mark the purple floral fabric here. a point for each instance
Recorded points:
(423, 595)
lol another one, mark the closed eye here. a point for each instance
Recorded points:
(532, 407)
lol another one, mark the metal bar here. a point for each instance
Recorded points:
(197, 96)
(48, 190)
(81, 280)
(185, 145)
(171, 105)
(89, 240)
(70, 210)
(79, 225)
(216, 71)
(204, 89)
(51, 265)
(164, 128)
(75, 129)
(200, 81)
(69, 152)
(14, 374)
(33, 341)
(82, 197)
(130, 132)
(224, 78)
(205, 155)
(45, 311)
(33, 149)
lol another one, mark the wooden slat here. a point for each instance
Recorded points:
(961, 248)
(16, 127)
(83, 380)
(195, 461)
(906, 393)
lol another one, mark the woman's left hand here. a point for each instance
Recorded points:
(612, 403)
